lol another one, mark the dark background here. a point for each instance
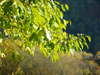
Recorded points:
(85, 17)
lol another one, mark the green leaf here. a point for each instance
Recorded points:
(77, 45)
(55, 55)
(13, 56)
(35, 1)
(81, 45)
(33, 36)
(83, 38)
(0, 63)
(86, 45)
(40, 34)
(25, 11)
(38, 22)
(30, 1)
(21, 10)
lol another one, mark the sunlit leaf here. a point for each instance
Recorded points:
(70, 23)
(89, 38)
(41, 33)
(67, 7)
(48, 34)
(61, 14)
(3, 55)
(57, 2)
(38, 22)
(1, 40)
(62, 6)
(86, 45)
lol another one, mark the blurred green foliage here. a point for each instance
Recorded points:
(41, 23)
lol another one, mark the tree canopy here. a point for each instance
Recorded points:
(41, 23)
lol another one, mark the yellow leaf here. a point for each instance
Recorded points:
(67, 7)
(70, 22)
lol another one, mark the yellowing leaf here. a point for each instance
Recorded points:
(86, 45)
(61, 14)
(81, 45)
(67, 7)
(3, 55)
(57, 2)
(62, 7)
(65, 22)
(70, 22)
(89, 38)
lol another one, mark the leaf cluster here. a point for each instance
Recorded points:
(39, 22)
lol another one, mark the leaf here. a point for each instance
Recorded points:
(25, 11)
(89, 38)
(52, 46)
(83, 38)
(48, 34)
(57, 2)
(77, 45)
(21, 10)
(70, 22)
(40, 34)
(13, 56)
(36, 12)
(55, 23)
(81, 45)
(72, 51)
(19, 57)
(62, 6)
(0, 63)
(1, 40)
(30, 1)
(65, 22)
(3, 55)
(33, 36)
(67, 7)
(35, 1)
(55, 55)
(61, 14)
(86, 45)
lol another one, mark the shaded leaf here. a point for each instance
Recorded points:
(13, 56)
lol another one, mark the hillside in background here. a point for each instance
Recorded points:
(76, 64)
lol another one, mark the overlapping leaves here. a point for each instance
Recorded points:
(39, 22)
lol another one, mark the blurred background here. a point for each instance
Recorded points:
(85, 17)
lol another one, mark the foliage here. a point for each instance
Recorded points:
(65, 65)
(41, 23)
